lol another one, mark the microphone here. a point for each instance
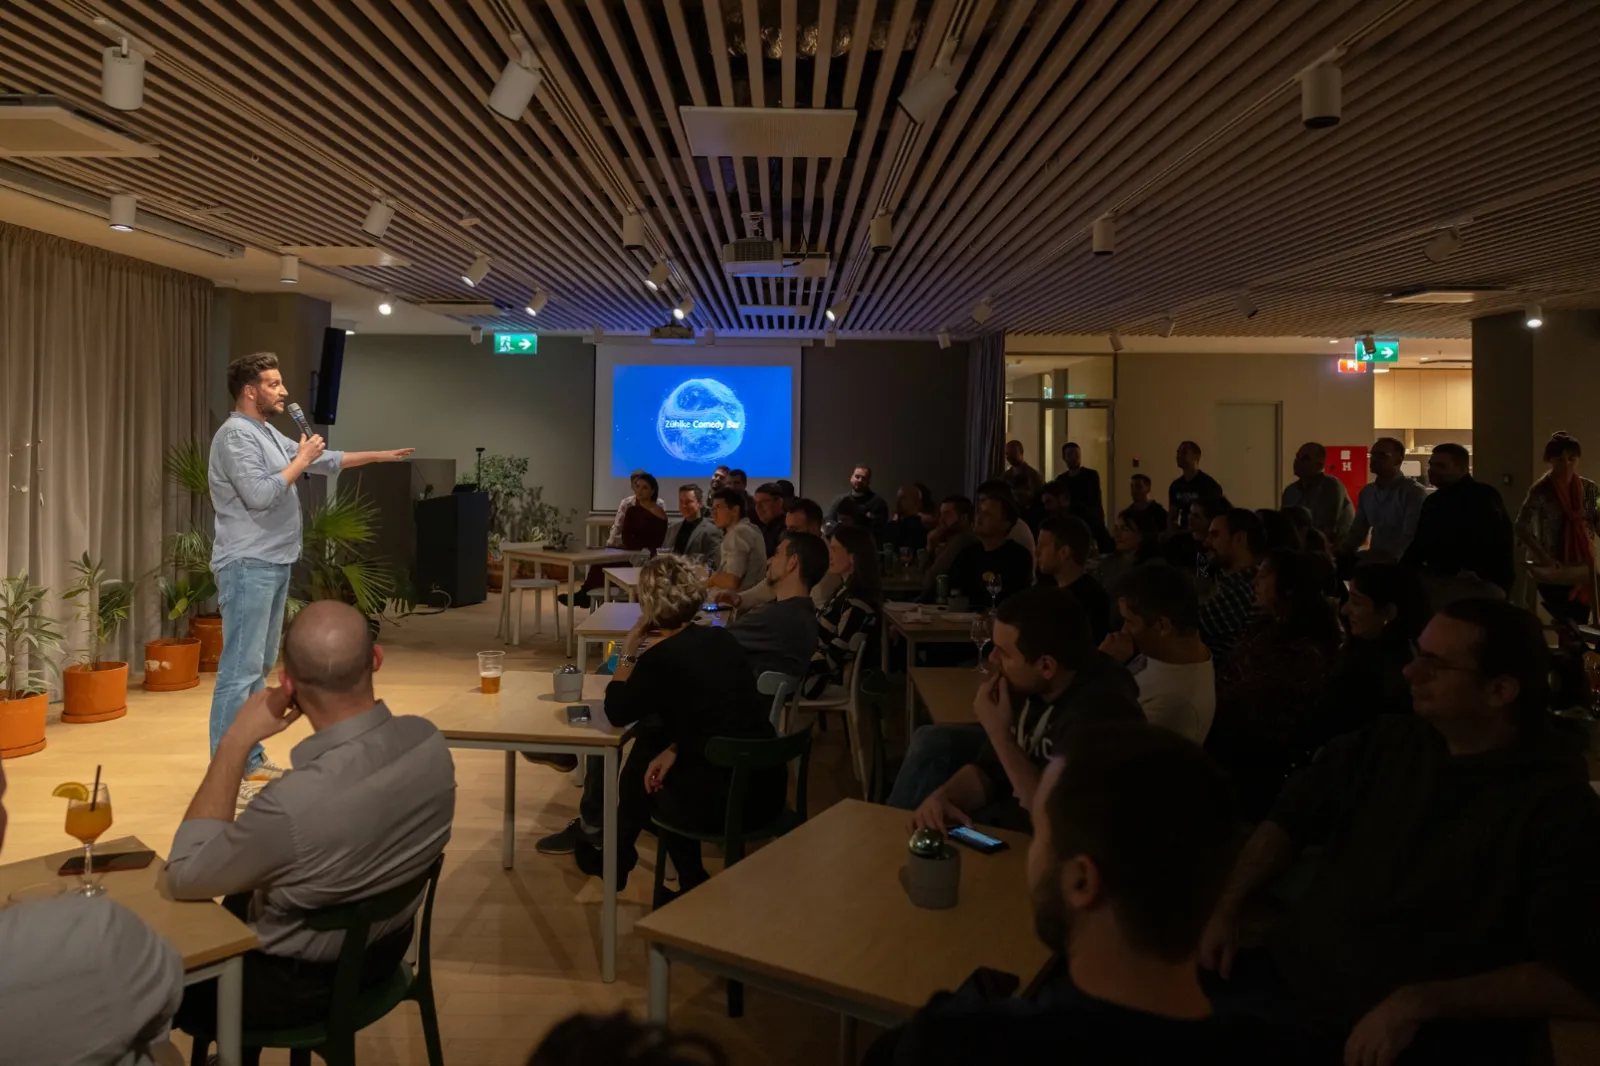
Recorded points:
(299, 417)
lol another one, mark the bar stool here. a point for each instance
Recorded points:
(535, 585)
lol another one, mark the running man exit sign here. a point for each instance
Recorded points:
(516, 343)
(1384, 350)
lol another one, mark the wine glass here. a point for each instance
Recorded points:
(87, 819)
(991, 582)
(981, 632)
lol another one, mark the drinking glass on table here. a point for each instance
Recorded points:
(491, 664)
(981, 632)
(87, 819)
(991, 582)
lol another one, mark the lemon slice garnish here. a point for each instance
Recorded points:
(71, 790)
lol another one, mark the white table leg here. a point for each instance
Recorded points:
(608, 869)
(660, 984)
(572, 599)
(583, 655)
(230, 1012)
(508, 825)
(847, 1040)
(506, 570)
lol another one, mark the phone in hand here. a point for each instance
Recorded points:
(577, 713)
(977, 841)
(109, 863)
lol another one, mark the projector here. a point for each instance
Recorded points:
(758, 257)
(672, 332)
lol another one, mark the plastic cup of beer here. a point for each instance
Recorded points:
(491, 664)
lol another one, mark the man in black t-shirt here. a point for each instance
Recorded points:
(1063, 549)
(994, 559)
(1133, 830)
(1191, 485)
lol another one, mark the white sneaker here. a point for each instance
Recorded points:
(248, 791)
(267, 771)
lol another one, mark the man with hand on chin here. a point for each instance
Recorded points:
(1043, 651)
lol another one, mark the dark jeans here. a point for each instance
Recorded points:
(936, 752)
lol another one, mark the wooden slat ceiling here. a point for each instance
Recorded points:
(278, 123)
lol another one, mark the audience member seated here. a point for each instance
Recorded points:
(1019, 530)
(1023, 480)
(913, 518)
(719, 478)
(852, 610)
(641, 525)
(1160, 643)
(994, 559)
(1044, 655)
(694, 534)
(1282, 530)
(1065, 548)
(1191, 486)
(744, 552)
(800, 515)
(768, 500)
(1187, 549)
(739, 482)
(1452, 906)
(1148, 515)
(872, 508)
(780, 634)
(620, 1040)
(1554, 525)
(947, 539)
(693, 683)
(82, 980)
(1133, 835)
(1135, 544)
(367, 806)
(1052, 502)
(1273, 678)
(1320, 492)
(1463, 528)
(1236, 542)
(1388, 507)
(614, 536)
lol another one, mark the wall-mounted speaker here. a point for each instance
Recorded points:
(325, 404)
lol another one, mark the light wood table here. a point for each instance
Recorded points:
(576, 562)
(211, 941)
(596, 528)
(612, 621)
(625, 578)
(932, 624)
(820, 915)
(526, 716)
(947, 692)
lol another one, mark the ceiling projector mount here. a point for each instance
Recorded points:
(756, 256)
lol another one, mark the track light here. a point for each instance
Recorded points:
(475, 273)
(122, 77)
(1243, 304)
(830, 338)
(882, 232)
(1533, 316)
(1116, 340)
(841, 308)
(1320, 97)
(289, 269)
(536, 301)
(944, 338)
(684, 309)
(982, 310)
(1165, 324)
(657, 277)
(515, 88)
(124, 209)
(925, 97)
(1442, 245)
(476, 333)
(1103, 237)
(1370, 343)
(633, 230)
(379, 215)
(386, 305)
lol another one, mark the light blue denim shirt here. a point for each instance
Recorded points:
(258, 512)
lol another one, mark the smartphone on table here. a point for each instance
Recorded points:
(111, 863)
(977, 841)
(577, 713)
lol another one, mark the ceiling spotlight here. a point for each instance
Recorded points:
(1166, 324)
(476, 333)
(386, 305)
(124, 208)
(349, 333)
(1442, 245)
(633, 230)
(537, 301)
(1103, 237)
(944, 338)
(924, 98)
(1333, 340)
(982, 310)
(1319, 97)
(515, 88)
(1533, 316)
(1243, 304)
(1116, 340)
(379, 215)
(477, 271)
(289, 269)
(122, 77)
(1380, 369)
(882, 232)
(830, 338)
(684, 309)
(1370, 343)
(657, 277)
(841, 308)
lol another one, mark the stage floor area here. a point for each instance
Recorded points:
(514, 951)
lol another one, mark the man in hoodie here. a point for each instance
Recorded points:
(871, 507)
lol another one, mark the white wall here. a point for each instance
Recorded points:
(1163, 398)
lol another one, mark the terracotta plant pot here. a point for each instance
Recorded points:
(22, 725)
(207, 628)
(171, 664)
(96, 694)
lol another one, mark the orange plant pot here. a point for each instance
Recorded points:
(22, 725)
(95, 694)
(207, 628)
(171, 664)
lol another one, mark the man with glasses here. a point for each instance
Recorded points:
(1387, 508)
(1452, 907)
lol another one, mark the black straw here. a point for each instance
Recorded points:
(94, 794)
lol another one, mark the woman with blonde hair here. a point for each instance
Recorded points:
(1559, 514)
(695, 683)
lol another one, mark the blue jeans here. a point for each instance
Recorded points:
(252, 595)
(935, 754)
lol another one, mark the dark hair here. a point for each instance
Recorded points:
(731, 497)
(785, 488)
(1158, 590)
(1070, 444)
(810, 508)
(1072, 533)
(1303, 611)
(1049, 621)
(1562, 443)
(1243, 520)
(848, 511)
(618, 1040)
(1000, 492)
(1456, 452)
(1393, 444)
(1400, 587)
(863, 466)
(740, 474)
(1318, 449)
(1299, 517)
(812, 553)
(649, 479)
(1213, 506)
(692, 488)
(724, 466)
(1156, 817)
(1279, 530)
(1149, 536)
(247, 370)
(1142, 477)
(927, 497)
(1189, 444)
(962, 505)
(865, 582)
(1512, 646)
(768, 488)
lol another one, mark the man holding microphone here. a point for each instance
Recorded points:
(253, 470)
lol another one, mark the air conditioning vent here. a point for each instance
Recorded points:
(753, 250)
(42, 127)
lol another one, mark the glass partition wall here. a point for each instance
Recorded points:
(1052, 400)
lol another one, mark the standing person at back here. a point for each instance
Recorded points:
(1557, 518)
(872, 508)
(1389, 507)
(254, 470)
(1082, 486)
(1024, 480)
(1463, 529)
(1146, 512)
(1192, 485)
(1320, 493)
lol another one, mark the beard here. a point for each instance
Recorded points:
(1052, 918)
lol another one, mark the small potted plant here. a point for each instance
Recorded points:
(188, 466)
(96, 690)
(172, 664)
(29, 641)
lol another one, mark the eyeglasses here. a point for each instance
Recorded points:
(1433, 664)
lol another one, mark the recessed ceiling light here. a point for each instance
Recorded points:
(386, 306)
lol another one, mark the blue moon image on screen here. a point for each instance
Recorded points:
(700, 421)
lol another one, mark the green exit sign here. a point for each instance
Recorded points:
(1383, 350)
(516, 343)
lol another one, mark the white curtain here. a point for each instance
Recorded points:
(986, 388)
(102, 367)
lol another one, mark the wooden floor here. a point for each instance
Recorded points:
(515, 951)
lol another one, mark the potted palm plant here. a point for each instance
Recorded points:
(188, 466)
(29, 641)
(96, 690)
(335, 564)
